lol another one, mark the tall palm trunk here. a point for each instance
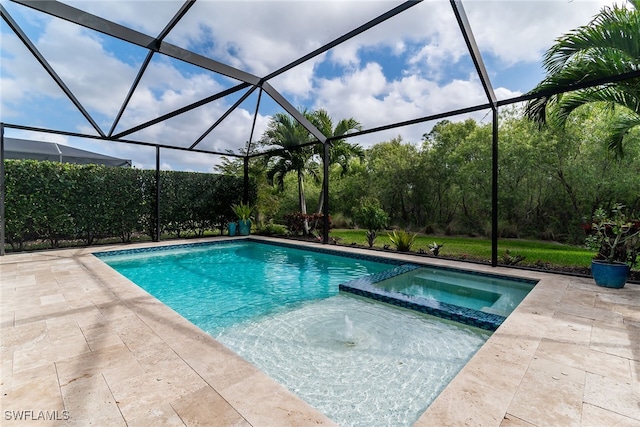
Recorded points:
(303, 201)
(320, 203)
(321, 197)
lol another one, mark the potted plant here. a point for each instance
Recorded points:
(233, 228)
(617, 240)
(243, 212)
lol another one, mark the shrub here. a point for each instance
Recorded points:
(453, 228)
(508, 230)
(242, 210)
(371, 237)
(272, 230)
(55, 201)
(614, 235)
(402, 240)
(430, 229)
(340, 220)
(370, 216)
(434, 248)
(295, 223)
(509, 259)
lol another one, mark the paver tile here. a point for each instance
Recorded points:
(33, 389)
(92, 363)
(544, 399)
(617, 339)
(206, 407)
(86, 339)
(513, 421)
(581, 357)
(89, 401)
(594, 416)
(621, 397)
(162, 415)
(277, 405)
(466, 402)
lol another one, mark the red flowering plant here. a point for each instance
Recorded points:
(615, 236)
(297, 223)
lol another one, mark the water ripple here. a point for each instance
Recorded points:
(387, 372)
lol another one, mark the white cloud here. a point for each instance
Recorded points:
(433, 73)
(96, 76)
(521, 30)
(22, 77)
(370, 98)
(164, 89)
(262, 36)
(298, 82)
(146, 16)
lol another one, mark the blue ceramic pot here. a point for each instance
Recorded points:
(609, 275)
(232, 226)
(244, 227)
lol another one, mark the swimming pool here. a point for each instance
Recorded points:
(358, 361)
(236, 280)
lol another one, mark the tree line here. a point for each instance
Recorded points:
(564, 156)
(550, 179)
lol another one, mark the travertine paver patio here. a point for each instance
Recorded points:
(79, 341)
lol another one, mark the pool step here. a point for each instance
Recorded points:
(475, 283)
(455, 288)
(467, 316)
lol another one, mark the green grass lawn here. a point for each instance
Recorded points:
(477, 249)
(535, 252)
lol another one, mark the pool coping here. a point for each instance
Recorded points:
(545, 365)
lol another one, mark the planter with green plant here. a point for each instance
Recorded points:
(616, 238)
(243, 211)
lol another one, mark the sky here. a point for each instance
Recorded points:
(413, 65)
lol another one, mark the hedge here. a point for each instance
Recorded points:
(53, 201)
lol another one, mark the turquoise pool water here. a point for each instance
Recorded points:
(358, 361)
(237, 281)
(484, 293)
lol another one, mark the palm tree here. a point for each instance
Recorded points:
(285, 132)
(608, 46)
(340, 151)
(298, 155)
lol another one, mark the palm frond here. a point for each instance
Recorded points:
(346, 126)
(614, 28)
(567, 103)
(321, 120)
(619, 128)
(608, 46)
